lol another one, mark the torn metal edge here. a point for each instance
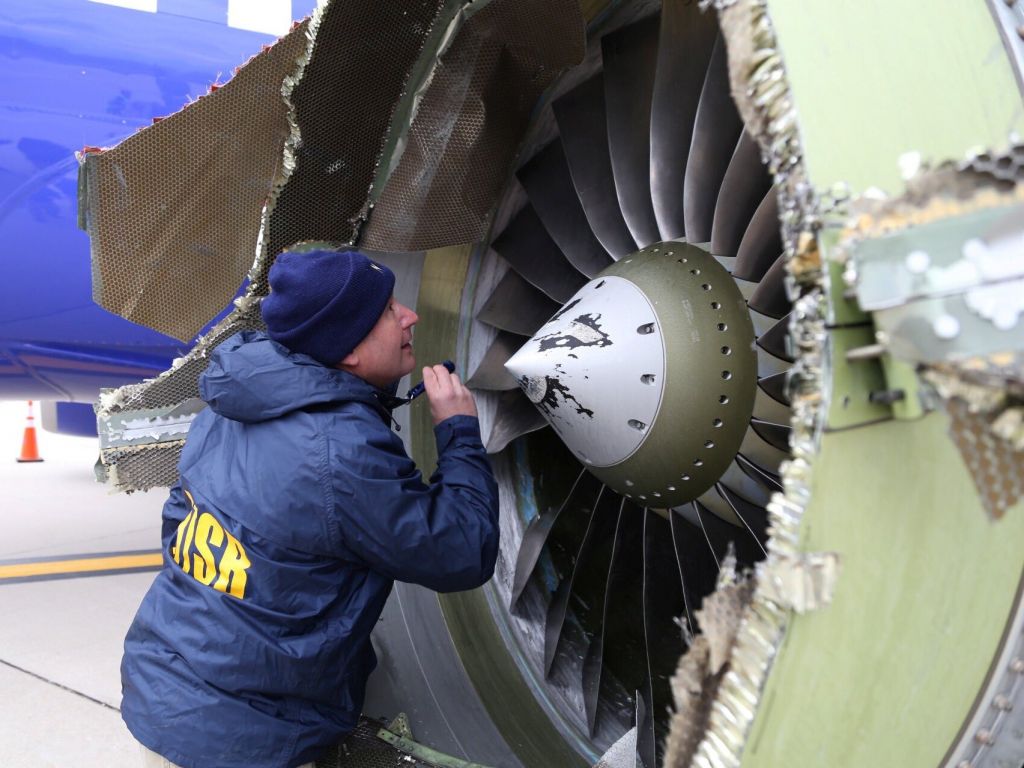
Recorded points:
(760, 86)
(446, 28)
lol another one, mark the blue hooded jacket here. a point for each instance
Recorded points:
(296, 508)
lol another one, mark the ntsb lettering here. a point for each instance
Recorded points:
(209, 553)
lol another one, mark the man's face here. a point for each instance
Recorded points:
(386, 355)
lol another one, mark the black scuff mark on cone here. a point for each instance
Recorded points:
(555, 389)
(564, 309)
(587, 333)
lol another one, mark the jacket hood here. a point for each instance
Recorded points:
(252, 378)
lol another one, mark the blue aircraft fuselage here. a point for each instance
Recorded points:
(82, 73)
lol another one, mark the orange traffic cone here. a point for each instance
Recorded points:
(29, 448)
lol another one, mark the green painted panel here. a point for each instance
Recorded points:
(444, 274)
(853, 382)
(873, 79)
(886, 675)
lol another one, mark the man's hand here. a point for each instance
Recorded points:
(448, 396)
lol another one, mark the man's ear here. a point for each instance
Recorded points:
(349, 361)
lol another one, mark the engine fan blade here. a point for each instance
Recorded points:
(775, 386)
(589, 565)
(773, 434)
(516, 306)
(754, 518)
(770, 296)
(548, 183)
(491, 372)
(630, 57)
(767, 408)
(526, 245)
(624, 629)
(715, 134)
(776, 340)
(762, 242)
(664, 604)
(745, 184)
(696, 561)
(539, 530)
(591, 591)
(515, 416)
(686, 39)
(762, 453)
(580, 115)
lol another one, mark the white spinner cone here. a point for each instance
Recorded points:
(596, 370)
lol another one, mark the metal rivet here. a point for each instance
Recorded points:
(723, 399)
(685, 477)
(1017, 665)
(706, 286)
(726, 351)
(1003, 703)
(647, 378)
(723, 327)
(671, 488)
(726, 375)
(645, 329)
(715, 305)
(918, 262)
(716, 423)
(637, 425)
(629, 483)
(709, 443)
(695, 271)
(656, 495)
(698, 462)
(644, 498)
(984, 736)
(946, 327)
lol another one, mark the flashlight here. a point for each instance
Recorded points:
(416, 391)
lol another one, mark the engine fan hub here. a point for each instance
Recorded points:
(648, 373)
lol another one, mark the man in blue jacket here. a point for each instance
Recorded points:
(296, 509)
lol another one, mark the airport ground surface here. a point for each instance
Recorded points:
(61, 622)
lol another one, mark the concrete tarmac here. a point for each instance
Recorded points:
(61, 631)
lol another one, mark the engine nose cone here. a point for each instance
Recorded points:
(648, 373)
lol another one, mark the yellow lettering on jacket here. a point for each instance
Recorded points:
(208, 531)
(203, 548)
(233, 565)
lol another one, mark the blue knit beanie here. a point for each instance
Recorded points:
(323, 303)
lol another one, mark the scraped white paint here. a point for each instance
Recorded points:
(135, 5)
(273, 17)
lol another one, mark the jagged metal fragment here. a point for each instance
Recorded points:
(147, 427)
(471, 108)
(698, 678)
(802, 583)
(760, 86)
(173, 212)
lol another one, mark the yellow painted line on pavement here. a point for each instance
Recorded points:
(83, 565)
